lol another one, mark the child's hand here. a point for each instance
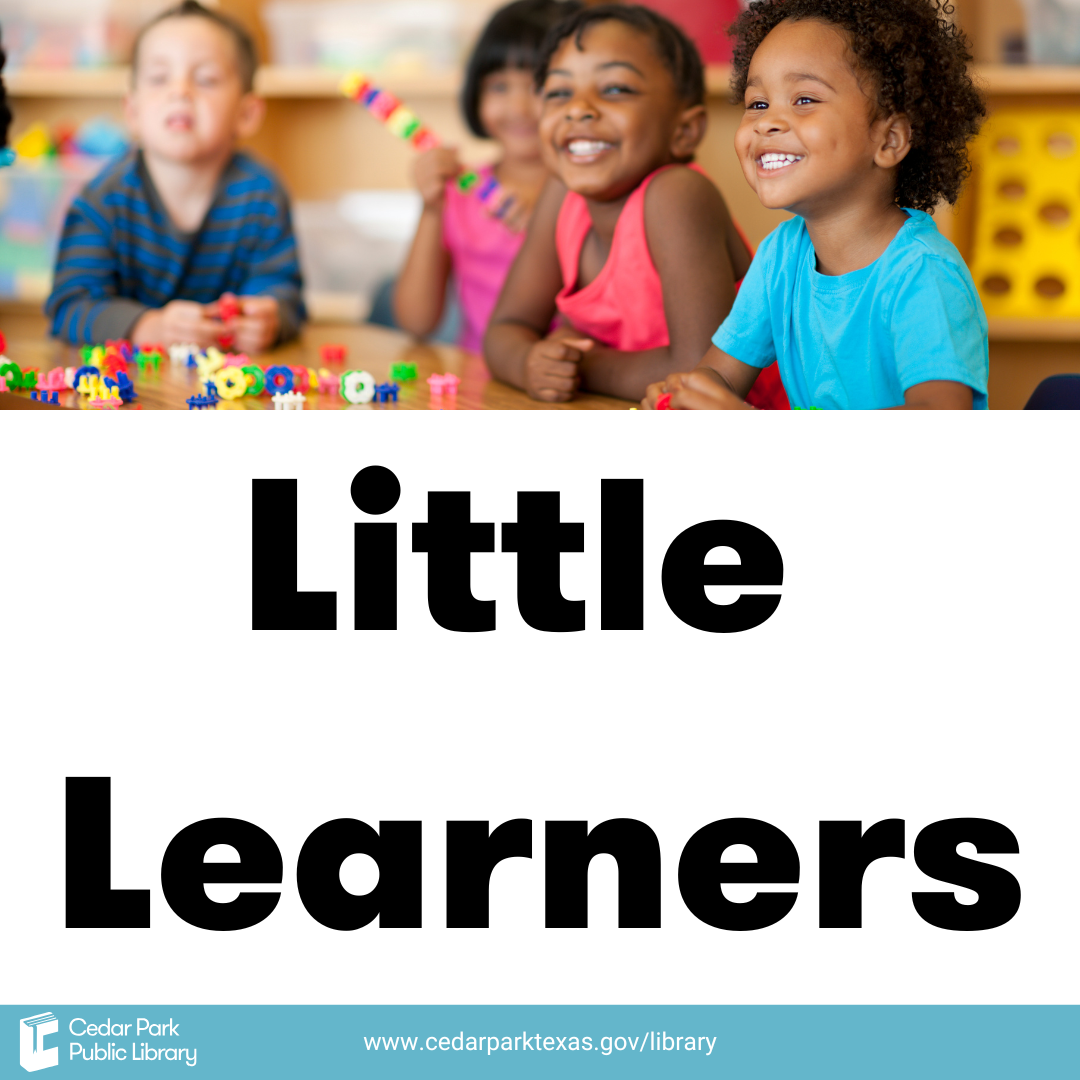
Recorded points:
(179, 321)
(701, 388)
(551, 368)
(257, 326)
(513, 212)
(433, 170)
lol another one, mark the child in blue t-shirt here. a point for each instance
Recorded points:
(858, 115)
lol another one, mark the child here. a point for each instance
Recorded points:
(457, 233)
(858, 115)
(155, 240)
(632, 244)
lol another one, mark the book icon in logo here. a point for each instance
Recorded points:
(32, 1031)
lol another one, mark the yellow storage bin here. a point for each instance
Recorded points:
(1026, 257)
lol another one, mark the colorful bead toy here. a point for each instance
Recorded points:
(256, 379)
(332, 354)
(358, 387)
(443, 384)
(279, 379)
(403, 370)
(404, 123)
(288, 401)
(385, 392)
(663, 402)
(329, 384)
(231, 383)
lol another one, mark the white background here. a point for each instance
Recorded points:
(921, 665)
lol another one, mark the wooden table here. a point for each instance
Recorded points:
(369, 348)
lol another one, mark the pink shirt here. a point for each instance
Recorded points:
(482, 251)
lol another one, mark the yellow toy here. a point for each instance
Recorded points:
(1026, 259)
(231, 382)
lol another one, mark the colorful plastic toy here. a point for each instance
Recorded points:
(288, 401)
(358, 387)
(279, 379)
(443, 384)
(183, 354)
(3, 384)
(45, 398)
(332, 354)
(53, 380)
(210, 361)
(231, 383)
(387, 391)
(228, 307)
(201, 401)
(29, 380)
(125, 387)
(1025, 262)
(149, 356)
(404, 123)
(256, 380)
(663, 402)
(87, 371)
(328, 383)
(403, 370)
(11, 373)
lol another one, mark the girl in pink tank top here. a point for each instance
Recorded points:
(631, 245)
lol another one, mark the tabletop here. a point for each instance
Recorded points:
(368, 348)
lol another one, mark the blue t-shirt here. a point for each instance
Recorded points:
(859, 340)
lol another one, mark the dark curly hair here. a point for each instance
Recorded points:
(919, 62)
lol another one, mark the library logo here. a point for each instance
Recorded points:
(32, 1031)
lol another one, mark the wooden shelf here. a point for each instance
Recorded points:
(1000, 79)
(270, 82)
(1063, 330)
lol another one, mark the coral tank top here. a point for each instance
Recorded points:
(623, 306)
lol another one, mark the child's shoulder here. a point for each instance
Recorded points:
(246, 175)
(921, 252)
(121, 172)
(681, 184)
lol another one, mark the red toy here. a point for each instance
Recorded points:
(228, 309)
(663, 402)
(3, 343)
(332, 354)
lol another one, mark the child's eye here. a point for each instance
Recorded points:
(757, 105)
(617, 90)
(805, 99)
(555, 93)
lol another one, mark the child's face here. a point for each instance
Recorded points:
(809, 139)
(610, 113)
(188, 104)
(508, 111)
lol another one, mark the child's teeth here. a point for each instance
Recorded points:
(778, 161)
(584, 147)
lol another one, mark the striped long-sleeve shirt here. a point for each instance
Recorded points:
(121, 254)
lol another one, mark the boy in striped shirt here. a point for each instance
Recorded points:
(154, 241)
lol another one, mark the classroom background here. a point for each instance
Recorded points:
(1018, 223)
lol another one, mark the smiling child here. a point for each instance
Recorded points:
(153, 242)
(630, 243)
(858, 114)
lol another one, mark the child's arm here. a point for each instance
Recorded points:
(687, 225)
(421, 287)
(516, 346)
(722, 382)
(271, 304)
(85, 307)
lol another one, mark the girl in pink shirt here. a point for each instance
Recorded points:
(630, 243)
(458, 234)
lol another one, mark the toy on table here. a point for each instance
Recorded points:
(387, 391)
(231, 383)
(201, 401)
(54, 379)
(279, 379)
(328, 383)
(45, 398)
(184, 354)
(403, 370)
(149, 355)
(443, 384)
(124, 386)
(663, 402)
(101, 395)
(304, 378)
(357, 387)
(289, 401)
(404, 123)
(332, 354)
(255, 377)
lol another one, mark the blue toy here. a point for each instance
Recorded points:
(124, 386)
(85, 371)
(386, 392)
(279, 379)
(46, 398)
(202, 401)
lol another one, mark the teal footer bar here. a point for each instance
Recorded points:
(861, 1042)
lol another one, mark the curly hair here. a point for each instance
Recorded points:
(919, 62)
